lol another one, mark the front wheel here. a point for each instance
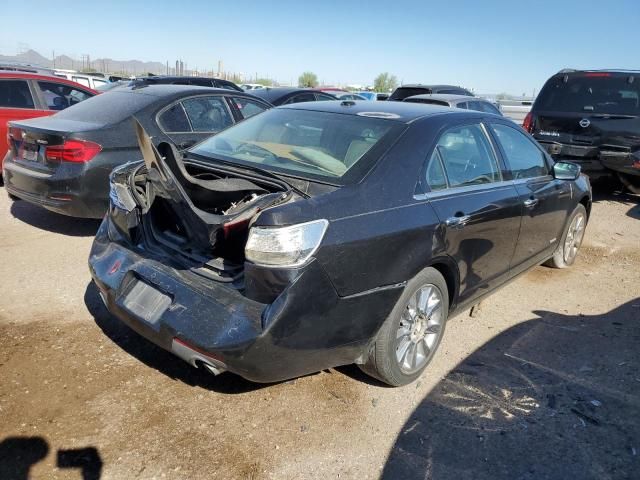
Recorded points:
(410, 335)
(567, 251)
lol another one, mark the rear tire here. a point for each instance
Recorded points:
(631, 182)
(411, 334)
(567, 251)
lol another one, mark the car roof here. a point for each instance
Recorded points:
(566, 71)
(273, 93)
(404, 112)
(446, 97)
(169, 89)
(422, 85)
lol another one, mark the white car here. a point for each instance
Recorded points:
(91, 81)
(251, 86)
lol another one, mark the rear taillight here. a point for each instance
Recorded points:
(78, 151)
(528, 123)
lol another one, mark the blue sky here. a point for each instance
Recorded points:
(491, 46)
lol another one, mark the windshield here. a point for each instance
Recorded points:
(592, 93)
(301, 143)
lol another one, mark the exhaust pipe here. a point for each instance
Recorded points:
(196, 358)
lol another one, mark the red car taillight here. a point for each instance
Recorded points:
(78, 151)
(528, 123)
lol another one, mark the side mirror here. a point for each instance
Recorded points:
(566, 171)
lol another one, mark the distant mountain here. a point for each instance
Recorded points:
(99, 64)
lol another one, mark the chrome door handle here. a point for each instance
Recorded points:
(457, 222)
(530, 202)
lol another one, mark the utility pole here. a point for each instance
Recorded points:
(53, 57)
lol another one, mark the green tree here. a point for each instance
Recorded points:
(264, 81)
(308, 79)
(385, 82)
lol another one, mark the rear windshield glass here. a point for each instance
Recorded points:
(333, 147)
(596, 92)
(403, 92)
(107, 108)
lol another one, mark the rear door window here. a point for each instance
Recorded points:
(525, 159)
(489, 108)
(323, 96)
(467, 157)
(15, 94)
(207, 114)
(174, 120)
(59, 96)
(247, 107)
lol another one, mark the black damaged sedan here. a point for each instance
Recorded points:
(322, 234)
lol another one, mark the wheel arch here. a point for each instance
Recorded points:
(447, 267)
(585, 201)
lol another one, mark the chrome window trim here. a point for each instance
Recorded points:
(464, 190)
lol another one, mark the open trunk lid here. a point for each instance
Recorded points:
(200, 213)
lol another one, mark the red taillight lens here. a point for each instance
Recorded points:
(597, 74)
(78, 151)
(528, 123)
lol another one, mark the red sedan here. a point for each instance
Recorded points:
(28, 95)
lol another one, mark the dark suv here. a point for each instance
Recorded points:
(591, 117)
(410, 90)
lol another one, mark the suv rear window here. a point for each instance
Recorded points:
(591, 93)
(401, 93)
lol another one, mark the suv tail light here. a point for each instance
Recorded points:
(78, 151)
(528, 123)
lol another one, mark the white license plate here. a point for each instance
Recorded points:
(29, 155)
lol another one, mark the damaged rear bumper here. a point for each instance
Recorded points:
(307, 328)
(596, 161)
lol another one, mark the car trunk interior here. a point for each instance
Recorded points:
(202, 213)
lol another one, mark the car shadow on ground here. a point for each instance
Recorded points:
(158, 358)
(53, 222)
(609, 191)
(19, 454)
(555, 397)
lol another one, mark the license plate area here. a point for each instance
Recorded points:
(28, 152)
(144, 301)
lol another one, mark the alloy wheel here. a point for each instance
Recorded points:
(420, 329)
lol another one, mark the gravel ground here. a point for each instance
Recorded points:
(542, 383)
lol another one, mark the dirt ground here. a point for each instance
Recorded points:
(543, 384)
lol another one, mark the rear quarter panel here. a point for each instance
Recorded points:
(9, 114)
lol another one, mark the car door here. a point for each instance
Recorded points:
(479, 209)
(545, 200)
(191, 120)
(17, 102)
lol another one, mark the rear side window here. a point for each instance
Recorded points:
(15, 94)
(596, 92)
(436, 178)
(174, 120)
(324, 96)
(489, 108)
(248, 108)
(59, 96)
(467, 157)
(525, 159)
(108, 109)
(207, 114)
